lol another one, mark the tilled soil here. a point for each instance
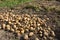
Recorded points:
(43, 9)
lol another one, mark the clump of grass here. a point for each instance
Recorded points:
(10, 3)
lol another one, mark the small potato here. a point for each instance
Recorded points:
(0, 27)
(25, 36)
(49, 28)
(18, 34)
(8, 27)
(27, 15)
(45, 38)
(17, 21)
(41, 28)
(31, 34)
(13, 15)
(14, 26)
(44, 20)
(27, 30)
(3, 26)
(19, 18)
(31, 28)
(22, 31)
(53, 34)
(47, 18)
(40, 32)
(51, 38)
(41, 35)
(38, 24)
(46, 25)
(28, 27)
(17, 31)
(25, 18)
(12, 29)
(36, 39)
(31, 21)
(9, 22)
(45, 33)
(28, 19)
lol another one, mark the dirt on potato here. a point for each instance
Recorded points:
(48, 11)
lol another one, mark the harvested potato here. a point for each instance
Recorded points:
(27, 25)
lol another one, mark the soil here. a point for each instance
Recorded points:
(49, 8)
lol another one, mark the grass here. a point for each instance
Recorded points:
(10, 3)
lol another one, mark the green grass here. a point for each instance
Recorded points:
(10, 3)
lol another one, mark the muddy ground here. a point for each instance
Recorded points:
(49, 8)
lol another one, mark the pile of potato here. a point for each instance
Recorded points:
(28, 25)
